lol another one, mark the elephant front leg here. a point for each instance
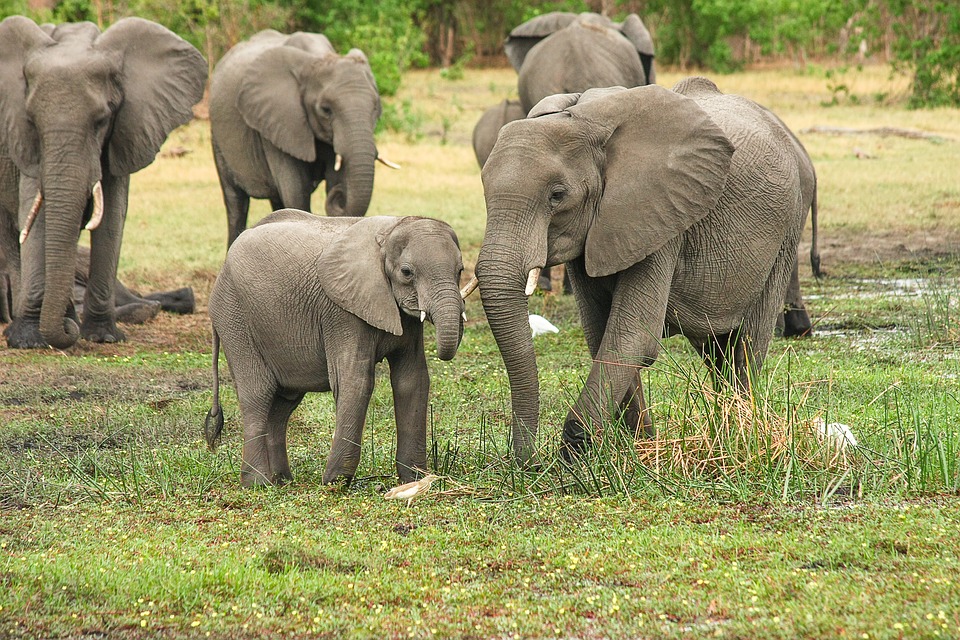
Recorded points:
(411, 390)
(24, 331)
(352, 396)
(99, 315)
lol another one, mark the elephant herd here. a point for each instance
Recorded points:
(674, 211)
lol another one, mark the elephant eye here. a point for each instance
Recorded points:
(407, 272)
(557, 196)
(325, 110)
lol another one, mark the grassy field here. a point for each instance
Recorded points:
(738, 521)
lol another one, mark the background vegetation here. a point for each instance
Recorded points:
(739, 521)
(920, 37)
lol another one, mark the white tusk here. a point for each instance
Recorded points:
(338, 162)
(423, 316)
(469, 288)
(464, 316)
(97, 208)
(532, 281)
(31, 217)
(392, 165)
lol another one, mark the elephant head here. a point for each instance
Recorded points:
(383, 266)
(81, 109)
(607, 177)
(527, 35)
(307, 100)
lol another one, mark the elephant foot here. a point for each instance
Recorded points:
(180, 301)
(24, 333)
(334, 476)
(796, 324)
(575, 441)
(251, 478)
(101, 330)
(138, 312)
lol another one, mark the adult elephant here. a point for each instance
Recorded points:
(488, 127)
(668, 210)
(287, 112)
(563, 52)
(80, 111)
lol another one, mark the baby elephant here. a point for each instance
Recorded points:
(310, 303)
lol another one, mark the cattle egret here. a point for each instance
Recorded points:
(540, 325)
(411, 490)
(840, 433)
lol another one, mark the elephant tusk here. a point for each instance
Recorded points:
(338, 162)
(464, 316)
(532, 281)
(31, 217)
(469, 288)
(423, 316)
(97, 207)
(392, 165)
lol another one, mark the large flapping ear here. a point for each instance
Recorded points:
(163, 77)
(18, 36)
(665, 169)
(526, 36)
(270, 102)
(636, 32)
(351, 273)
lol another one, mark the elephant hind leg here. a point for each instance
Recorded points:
(281, 409)
(726, 357)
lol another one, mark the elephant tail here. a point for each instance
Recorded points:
(213, 425)
(814, 249)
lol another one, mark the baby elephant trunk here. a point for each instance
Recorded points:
(447, 316)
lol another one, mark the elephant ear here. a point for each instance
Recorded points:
(18, 36)
(557, 103)
(163, 77)
(350, 270)
(313, 43)
(526, 36)
(666, 165)
(636, 32)
(270, 102)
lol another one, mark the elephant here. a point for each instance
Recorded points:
(312, 303)
(287, 112)
(81, 110)
(130, 306)
(562, 52)
(669, 211)
(489, 125)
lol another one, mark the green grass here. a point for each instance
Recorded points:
(737, 521)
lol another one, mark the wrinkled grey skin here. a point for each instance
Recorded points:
(306, 303)
(562, 52)
(281, 108)
(79, 107)
(669, 211)
(488, 126)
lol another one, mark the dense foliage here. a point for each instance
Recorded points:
(921, 37)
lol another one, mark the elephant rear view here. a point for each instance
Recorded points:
(308, 303)
(286, 113)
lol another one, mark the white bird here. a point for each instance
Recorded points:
(839, 432)
(411, 490)
(540, 325)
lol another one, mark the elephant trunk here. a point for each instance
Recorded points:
(505, 304)
(359, 155)
(447, 316)
(65, 200)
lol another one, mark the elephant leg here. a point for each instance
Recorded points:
(796, 320)
(544, 281)
(292, 179)
(99, 316)
(235, 199)
(178, 301)
(23, 332)
(630, 343)
(726, 357)
(278, 417)
(410, 381)
(594, 299)
(131, 308)
(352, 394)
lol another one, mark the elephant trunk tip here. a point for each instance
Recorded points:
(63, 339)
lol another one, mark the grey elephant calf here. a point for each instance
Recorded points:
(307, 303)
